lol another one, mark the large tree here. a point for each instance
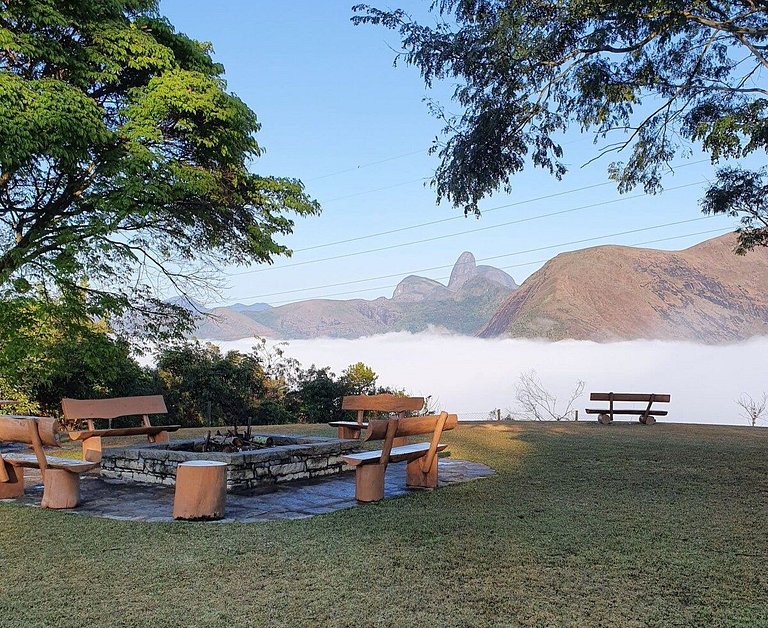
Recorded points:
(650, 79)
(124, 160)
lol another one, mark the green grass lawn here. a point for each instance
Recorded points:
(584, 525)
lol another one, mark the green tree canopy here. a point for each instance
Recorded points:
(359, 379)
(124, 160)
(652, 79)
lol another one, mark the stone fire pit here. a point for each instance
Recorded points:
(292, 457)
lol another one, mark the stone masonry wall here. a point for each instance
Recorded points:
(156, 464)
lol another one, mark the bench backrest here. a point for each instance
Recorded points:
(389, 429)
(21, 429)
(90, 409)
(655, 397)
(381, 403)
(30, 430)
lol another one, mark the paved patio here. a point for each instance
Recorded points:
(290, 500)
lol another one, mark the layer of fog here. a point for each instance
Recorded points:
(472, 377)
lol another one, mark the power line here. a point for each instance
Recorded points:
(263, 296)
(453, 235)
(368, 164)
(387, 187)
(459, 217)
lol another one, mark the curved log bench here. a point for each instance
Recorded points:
(106, 409)
(421, 458)
(61, 476)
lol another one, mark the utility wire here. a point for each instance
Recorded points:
(460, 217)
(386, 187)
(678, 237)
(453, 235)
(366, 165)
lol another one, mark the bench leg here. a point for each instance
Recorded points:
(61, 489)
(14, 487)
(160, 437)
(92, 449)
(349, 432)
(369, 482)
(416, 478)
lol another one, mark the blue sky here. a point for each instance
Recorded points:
(336, 114)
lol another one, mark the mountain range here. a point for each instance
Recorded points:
(704, 293)
(464, 306)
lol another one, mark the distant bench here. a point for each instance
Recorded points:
(421, 470)
(647, 416)
(61, 476)
(373, 403)
(92, 409)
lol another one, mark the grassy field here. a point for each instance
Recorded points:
(622, 525)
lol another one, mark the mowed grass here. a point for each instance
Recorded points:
(583, 525)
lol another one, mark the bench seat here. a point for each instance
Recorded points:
(397, 454)
(123, 431)
(30, 461)
(353, 425)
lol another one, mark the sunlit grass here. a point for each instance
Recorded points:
(621, 525)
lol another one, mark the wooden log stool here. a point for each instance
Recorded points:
(201, 490)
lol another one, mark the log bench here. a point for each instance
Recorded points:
(647, 416)
(61, 476)
(107, 409)
(421, 458)
(373, 403)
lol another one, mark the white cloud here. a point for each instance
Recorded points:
(474, 376)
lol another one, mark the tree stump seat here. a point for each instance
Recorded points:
(201, 490)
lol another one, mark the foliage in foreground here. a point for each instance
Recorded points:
(51, 351)
(650, 78)
(124, 162)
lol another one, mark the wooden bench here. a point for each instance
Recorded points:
(61, 476)
(373, 403)
(421, 458)
(92, 409)
(647, 416)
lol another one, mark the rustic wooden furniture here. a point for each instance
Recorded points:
(91, 409)
(61, 476)
(647, 416)
(373, 403)
(201, 490)
(421, 458)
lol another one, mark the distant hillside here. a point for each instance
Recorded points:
(464, 306)
(704, 294)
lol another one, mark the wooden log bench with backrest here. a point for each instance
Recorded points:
(421, 458)
(384, 403)
(91, 410)
(647, 416)
(61, 476)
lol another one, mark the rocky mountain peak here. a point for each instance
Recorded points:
(463, 270)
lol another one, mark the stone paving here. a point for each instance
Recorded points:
(289, 500)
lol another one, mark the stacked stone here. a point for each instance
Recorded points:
(156, 464)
